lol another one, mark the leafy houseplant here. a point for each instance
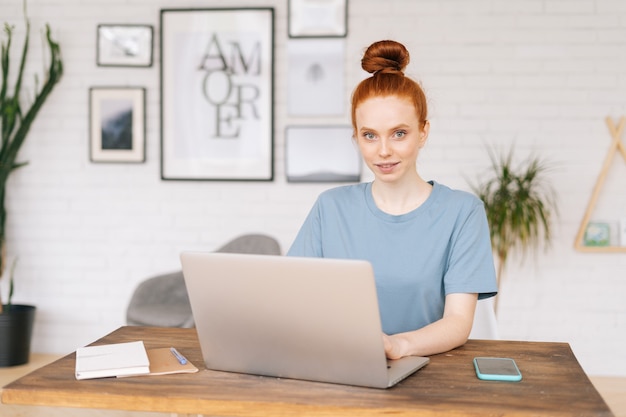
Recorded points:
(15, 122)
(519, 205)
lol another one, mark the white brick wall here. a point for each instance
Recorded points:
(540, 74)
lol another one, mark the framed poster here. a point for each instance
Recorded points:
(117, 124)
(217, 103)
(317, 18)
(124, 46)
(321, 154)
(316, 77)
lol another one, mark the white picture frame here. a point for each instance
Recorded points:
(316, 77)
(317, 154)
(317, 18)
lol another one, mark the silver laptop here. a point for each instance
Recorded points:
(315, 319)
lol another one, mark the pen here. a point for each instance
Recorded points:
(181, 359)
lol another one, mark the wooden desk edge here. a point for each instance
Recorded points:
(16, 393)
(52, 398)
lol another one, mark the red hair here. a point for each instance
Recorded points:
(386, 61)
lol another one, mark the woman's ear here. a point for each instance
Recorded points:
(355, 138)
(424, 133)
(355, 143)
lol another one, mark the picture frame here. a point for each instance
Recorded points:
(124, 45)
(316, 77)
(597, 234)
(317, 18)
(217, 94)
(117, 124)
(307, 156)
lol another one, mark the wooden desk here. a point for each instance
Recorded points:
(554, 385)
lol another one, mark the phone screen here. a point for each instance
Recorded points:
(503, 369)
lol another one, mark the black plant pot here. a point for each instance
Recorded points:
(16, 329)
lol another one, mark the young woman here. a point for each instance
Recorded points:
(428, 244)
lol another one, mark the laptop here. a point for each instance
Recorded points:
(313, 319)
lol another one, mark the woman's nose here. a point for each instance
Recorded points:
(384, 149)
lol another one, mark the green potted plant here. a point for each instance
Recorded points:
(15, 121)
(519, 203)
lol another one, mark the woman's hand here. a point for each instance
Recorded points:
(393, 346)
(441, 336)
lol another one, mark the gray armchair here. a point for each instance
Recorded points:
(163, 301)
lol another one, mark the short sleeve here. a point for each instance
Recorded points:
(470, 261)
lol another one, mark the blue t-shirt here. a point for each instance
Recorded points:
(441, 247)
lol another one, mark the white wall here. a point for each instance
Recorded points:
(541, 74)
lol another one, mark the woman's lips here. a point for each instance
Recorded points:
(387, 167)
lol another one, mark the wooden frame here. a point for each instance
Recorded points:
(117, 124)
(217, 76)
(124, 45)
(307, 158)
(317, 18)
(616, 145)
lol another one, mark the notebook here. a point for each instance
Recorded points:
(118, 359)
(314, 319)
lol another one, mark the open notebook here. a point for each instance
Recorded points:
(305, 318)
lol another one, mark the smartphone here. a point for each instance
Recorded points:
(497, 369)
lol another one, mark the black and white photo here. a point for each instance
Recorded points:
(124, 45)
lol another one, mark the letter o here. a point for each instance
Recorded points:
(217, 87)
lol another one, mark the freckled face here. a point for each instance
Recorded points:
(389, 137)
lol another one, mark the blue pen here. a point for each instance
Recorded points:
(181, 359)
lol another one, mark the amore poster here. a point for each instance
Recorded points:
(217, 94)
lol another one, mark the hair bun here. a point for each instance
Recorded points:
(385, 57)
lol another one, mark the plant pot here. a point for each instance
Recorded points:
(16, 329)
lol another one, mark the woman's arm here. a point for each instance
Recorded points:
(451, 331)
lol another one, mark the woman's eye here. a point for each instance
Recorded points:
(369, 136)
(400, 134)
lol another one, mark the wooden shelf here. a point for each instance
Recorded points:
(616, 145)
(596, 249)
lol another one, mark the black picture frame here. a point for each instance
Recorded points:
(124, 45)
(117, 124)
(317, 18)
(308, 159)
(217, 94)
